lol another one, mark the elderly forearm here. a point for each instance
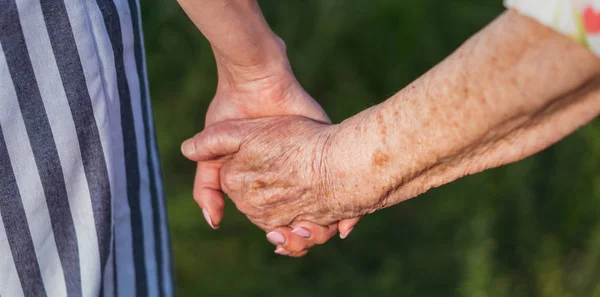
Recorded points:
(510, 91)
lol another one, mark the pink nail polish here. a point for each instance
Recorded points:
(208, 219)
(276, 238)
(343, 236)
(282, 251)
(302, 232)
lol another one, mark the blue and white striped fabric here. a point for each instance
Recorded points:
(81, 204)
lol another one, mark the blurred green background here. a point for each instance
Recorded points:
(528, 229)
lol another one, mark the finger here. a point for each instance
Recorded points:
(215, 141)
(303, 236)
(284, 238)
(317, 234)
(207, 192)
(284, 252)
(346, 226)
(298, 254)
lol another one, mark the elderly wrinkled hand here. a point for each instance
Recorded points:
(273, 169)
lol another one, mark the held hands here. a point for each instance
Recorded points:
(274, 92)
(275, 171)
(272, 168)
(261, 89)
(255, 80)
(296, 171)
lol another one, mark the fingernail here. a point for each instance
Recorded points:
(343, 236)
(188, 148)
(282, 251)
(208, 219)
(276, 238)
(302, 232)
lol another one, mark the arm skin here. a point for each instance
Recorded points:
(508, 92)
(255, 80)
(238, 34)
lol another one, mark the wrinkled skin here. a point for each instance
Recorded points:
(255, 80)
(263, 185)
(277, 175)
(270, 91)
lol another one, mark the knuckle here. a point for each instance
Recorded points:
(230, 181)
(210, 140)
(265, 227)
(258, 222)
(259, 201)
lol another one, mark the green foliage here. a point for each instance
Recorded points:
(528, 229)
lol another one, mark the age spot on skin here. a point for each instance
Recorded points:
(257, 185)
(382, 127)
(380, 158)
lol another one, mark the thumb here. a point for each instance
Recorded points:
(214, 141)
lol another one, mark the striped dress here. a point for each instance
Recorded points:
(82, 211)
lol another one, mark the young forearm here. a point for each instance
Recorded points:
(245, 48)
(235, 28)
(510, 91)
